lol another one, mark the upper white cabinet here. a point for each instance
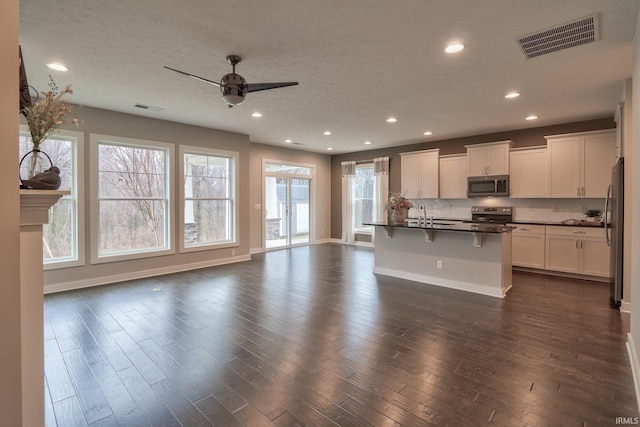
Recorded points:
(489, 159)
(420, 173)
(454, 170)
(528, 176)
(580, 164)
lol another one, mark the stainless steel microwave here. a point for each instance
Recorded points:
(488, 185)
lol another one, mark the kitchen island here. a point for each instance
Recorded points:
(465, 256)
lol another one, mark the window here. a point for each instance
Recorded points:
(132, 198)
(63, 236)
(363, 198)
(208, 216)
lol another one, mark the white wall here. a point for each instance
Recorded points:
(321, 215)
(635, 220)
(10, 378)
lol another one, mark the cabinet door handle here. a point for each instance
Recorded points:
(578, 191)
(577, 244)
(582, 191)
(525, 229)
(579, 232)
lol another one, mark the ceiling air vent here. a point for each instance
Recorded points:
(148, 107)
(571, 34)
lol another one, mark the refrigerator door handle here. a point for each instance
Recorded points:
(606, 215)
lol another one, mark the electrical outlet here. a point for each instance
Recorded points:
(439, 263)
(233, 252)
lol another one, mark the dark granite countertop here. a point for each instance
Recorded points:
(569, 223)
(454, 225)
(574, 223)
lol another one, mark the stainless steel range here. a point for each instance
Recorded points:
(491, 214)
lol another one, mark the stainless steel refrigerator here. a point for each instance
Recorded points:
(614, 230)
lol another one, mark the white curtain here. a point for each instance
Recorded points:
(348, 183)
(380, 191)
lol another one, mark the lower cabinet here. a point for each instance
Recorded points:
(528, 243)
(577, 250)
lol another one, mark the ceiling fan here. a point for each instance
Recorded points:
(233, 86)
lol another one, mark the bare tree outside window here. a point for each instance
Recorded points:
(59, 241)
(209, 204)
(132, 197)
(363, 198)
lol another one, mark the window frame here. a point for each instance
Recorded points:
(361, 231)
(234, 156)
(76, 196)
(94, 142)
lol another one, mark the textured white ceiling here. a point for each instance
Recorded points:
(357, 61)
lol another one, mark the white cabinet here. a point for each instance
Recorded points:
(528, 246)
(454, 170)
(580, 164)
(489, 159)
(528, 176)
(420, 174)
(581, 250)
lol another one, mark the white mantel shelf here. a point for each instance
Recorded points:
(34, 212)
(35, 204)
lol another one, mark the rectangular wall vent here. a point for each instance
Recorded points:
(148, 107)
(571, 34)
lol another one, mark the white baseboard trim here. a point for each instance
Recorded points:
(445, 283)
(635, 367)
(256, 251)
(561, 274)
(107, 280)
(356, 243)
(322, 241)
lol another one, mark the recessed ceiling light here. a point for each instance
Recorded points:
(531, 117)
(392, 120)
(57, 66)
(512, 95)
(288, 141)
(454, 47)
(327, 132)
(367, 143)
(256, 114)
(428, 133)
(329, 148)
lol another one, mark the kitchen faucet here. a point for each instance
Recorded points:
(423, 220)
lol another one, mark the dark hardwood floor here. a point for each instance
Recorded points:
(310, 337)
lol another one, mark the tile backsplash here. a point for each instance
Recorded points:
(523, 209)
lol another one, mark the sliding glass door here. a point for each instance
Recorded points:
(287, 205)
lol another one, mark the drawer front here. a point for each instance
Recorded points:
(524, 229)
(578, 232)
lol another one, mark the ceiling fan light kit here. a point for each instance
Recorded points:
(233, 86)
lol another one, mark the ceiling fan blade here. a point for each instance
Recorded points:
(255, 87)
(202, 79)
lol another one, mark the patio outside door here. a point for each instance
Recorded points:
(287, 206)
